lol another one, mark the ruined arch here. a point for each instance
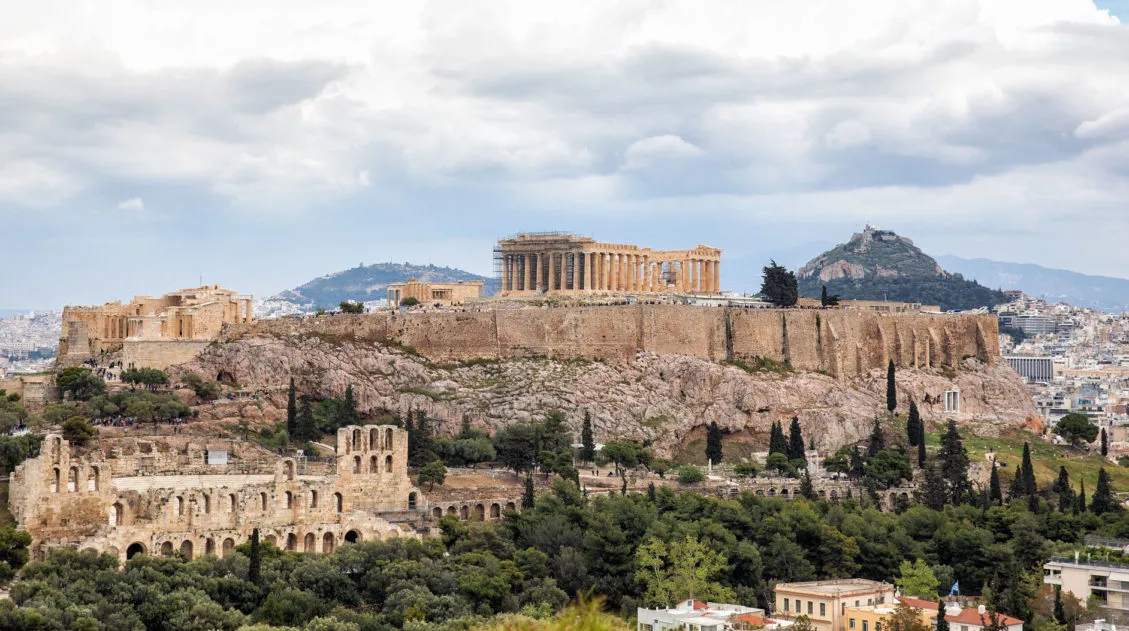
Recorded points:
(338, 502)
(356, 464)
(56, 480)
(834, 495)
(313, 498)
(228, 546)
(352, 536)
(356, 440)
(134, 549)
(209, 547)
(464, 512)
(231, 503)
(392, 534)
(327, 542)
(437, 512)
(271, 539)
(72, 479)
(291, 542)
(373, 439)
(166, 548)
(310, 542)
(772, 492)
(479, 512)
(412, 500)
(207, 504)
(373, 464)
(288, 499)
(495, 511)
(179, 506)
(117, 514)
(388, 438)
(451, 510)
(92, 479)
(760, 492)
(263, 502)
(288, 467)
(511, 506)
(784, 493)
(186, 549)
(388, 464)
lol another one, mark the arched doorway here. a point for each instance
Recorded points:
(327, 543)
(166, 548)
(228, 546)
(134, 549)
(412, 500)
(388, 464)
(464, 513)
(338, 502)
(511, 506)
(495, 511)
(209, 547)
(116, 513)
(271, 539)
(479, 512)
(373, 464)
(437, 512)
(186, 549)
(72, 480)
(291, 542)
(352, 536)
(310, 542)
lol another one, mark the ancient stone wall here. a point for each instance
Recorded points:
(841, 343)
(159, 354)
(108, 499)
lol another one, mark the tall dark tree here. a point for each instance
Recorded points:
(1103, 501)
(891, 388)
(306, 426)
(528, 498)
(877, 440)
(1027, 470)
(779, 286)
(942, 624)
(291, 410)
(995, 493)
(954, 464)
(1080, 500)
(1062, 488)
(347, 414)
(921, 454)
(777, 442)
(932, 492)
(828, 300)
(858, 465)
(1105, 443)
(1016, 490)
(913, 424)
(255, 568)
(807, 489)
(1059, 610)
(796, 440)
(713, 443)
(587, 440)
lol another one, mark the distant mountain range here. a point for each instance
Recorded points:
(370, 282)
(880, 265)
(1053, 285)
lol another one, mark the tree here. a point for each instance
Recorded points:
(807, 489)
(840, 461)
(587, 440)
(1027, 472)
(1080, 500)
(347, 413)
(292, 410)
(1064, 491)
(148, 377)
(713, 443)
(410, 301)
(954, 465)
(528, 498)
(828, 300)
(906, 618)
(779, 463)
(942, 624)
(779, 286)
(1015, 491)
(1059, 610)
(80, 383)
(921, 453)
(689, 474)
(888, 467)
(891, 388)
(78, 430)
(777, 443)
(1105, 443)
(995, 492)
(796, 450)
(255, 567)
(517, 446)
(306, 425)
(877, 440)
(1075, 428)
(917, 579)
(933, 492)
(432, 473)
(1104, 501)
(913, 425)
(683, 569)
(351, 307)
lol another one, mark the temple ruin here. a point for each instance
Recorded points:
(561, 263)
(426, 293)
(151, 332)
(201, 496)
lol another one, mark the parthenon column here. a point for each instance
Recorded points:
(506, 274)
(699, 286)
(717, 276)
(588, 272)
(526, 258)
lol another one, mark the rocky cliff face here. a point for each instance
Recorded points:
(667, 399)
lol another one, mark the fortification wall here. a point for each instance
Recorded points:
(841, 343)
(160, 354)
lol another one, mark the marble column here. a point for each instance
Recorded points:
(717, 276)
(698, 284)
(588, 286)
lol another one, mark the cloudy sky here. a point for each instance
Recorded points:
(146, 145)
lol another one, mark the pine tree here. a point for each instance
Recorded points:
(796, 441)
(306, 427)
(942, 624)
(995, 493)
(587, 441)
(1103, 501)
(1105, 443)
(1080, 500)
(891, 389)
(713, 443)
(921, 454)
(255, 568)
(528, 498)
(292, 410)
(1027, 470)
(913, 422)
(954, 465)
(877, 441)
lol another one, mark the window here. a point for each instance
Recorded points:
(810, 604)
(843, 609)
(856, 603)
(877, 626)
(851, 623)
(964, 627)
(823, 610)
(786, 604)
(865, 625)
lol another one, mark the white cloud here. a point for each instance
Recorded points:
(133, 203)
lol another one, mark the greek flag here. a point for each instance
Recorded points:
(955, 591)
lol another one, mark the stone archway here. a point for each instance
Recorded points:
(166, 548)
(327, 542)
(495, 511)
(117, 514)
(479, 512)
(309, 543)
(412, 500)
(134, 549)
(464, 513)
(291, 542)
(228, 547)
(186, 549)
(209, 547)
(352, 537)
(437, 513)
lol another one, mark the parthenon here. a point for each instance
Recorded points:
(563, 263)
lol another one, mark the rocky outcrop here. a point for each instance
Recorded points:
(666, 399)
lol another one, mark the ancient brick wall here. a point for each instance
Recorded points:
(160, 354)
(839, 342)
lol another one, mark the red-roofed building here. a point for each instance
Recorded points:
(877, 617)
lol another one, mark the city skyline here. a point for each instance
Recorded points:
(146, 149)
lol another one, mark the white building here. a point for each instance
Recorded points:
(695, 615)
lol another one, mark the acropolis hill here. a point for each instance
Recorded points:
(642, 372)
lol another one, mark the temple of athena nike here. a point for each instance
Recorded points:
(561, 263)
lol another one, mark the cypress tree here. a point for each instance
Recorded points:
(796, 441)
(777, 442)
(921, 454)
(1028, 472)
(891, 389)
(713, 443)
(1103, 501)
(255, 568)
(1016, 489)
(528, 497)
(1062, 488)
(995, 493)
(932, 492)
(877, 441)
(942, 624)
(1059, 610)
(823, 296)
(291, 410)
(306, 425)
(913, 425)
(587, 441)
(1080, 500)
(954, 465)
(347, 413)
(1105, 443)
(858, 467)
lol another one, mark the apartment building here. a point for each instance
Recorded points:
(825, 602)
